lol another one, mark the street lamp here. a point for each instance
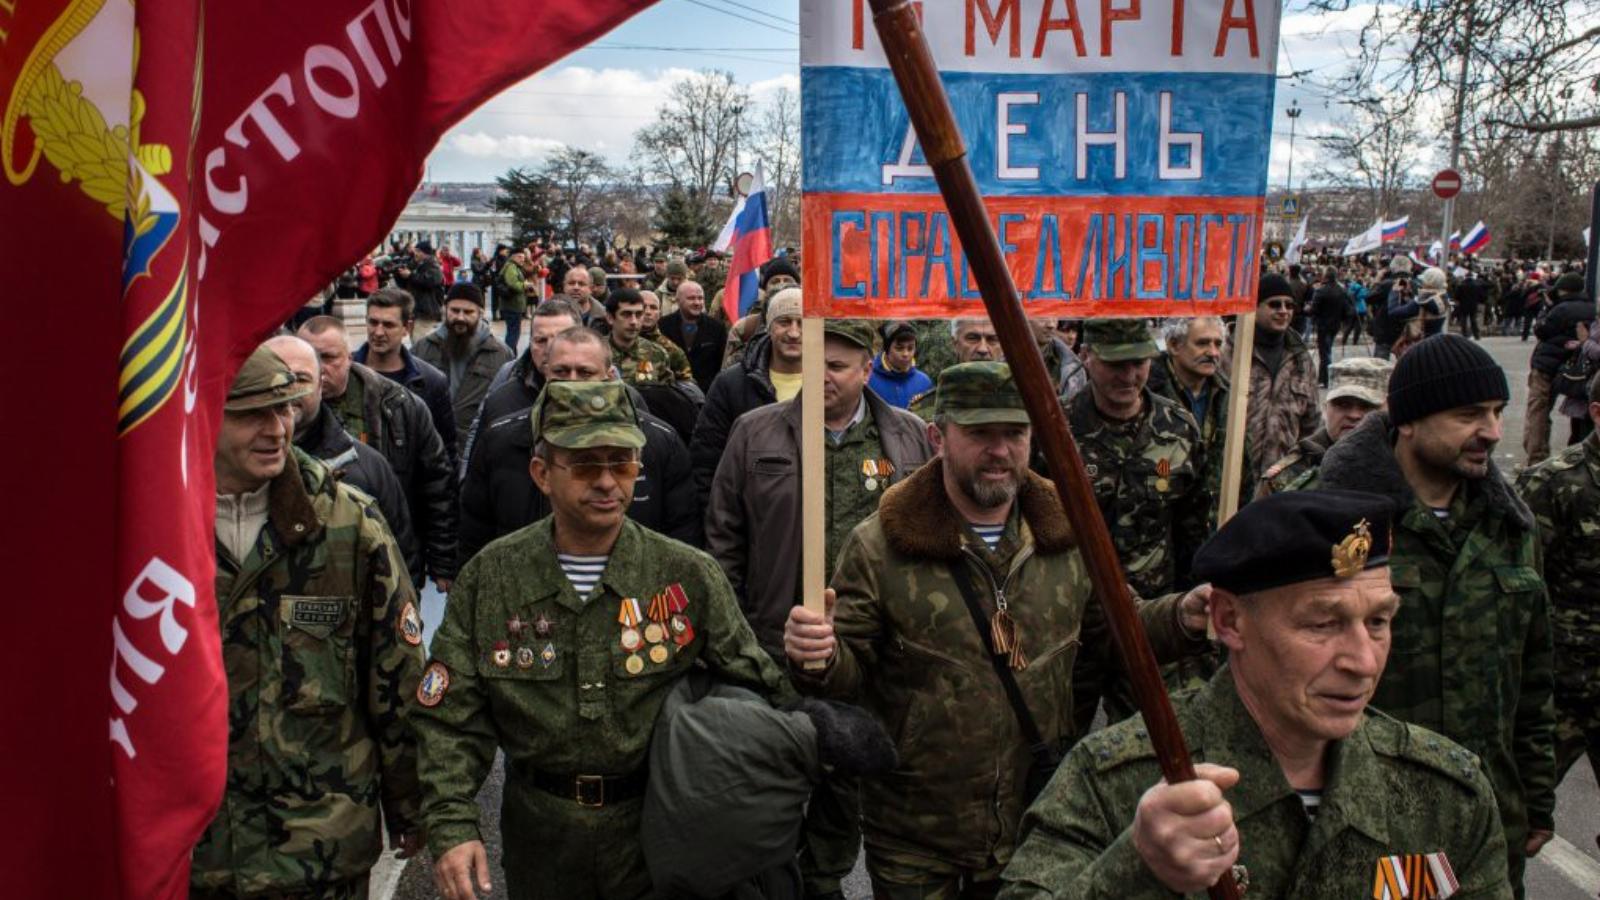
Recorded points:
(1293, 112)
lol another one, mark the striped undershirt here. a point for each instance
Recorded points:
(583, 571)
(989, 533)
(1312, 801)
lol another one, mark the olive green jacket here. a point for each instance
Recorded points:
(541, 674)
(1392, 790)
(1471, 656)
(321, 646)
(909, 652)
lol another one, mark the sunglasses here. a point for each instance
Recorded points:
(1280, 304)
(591, 471)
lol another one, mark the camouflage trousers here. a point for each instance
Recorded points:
(354, 889)
(831, 839)
(555, 849)
(1577, 695)
(905, 876)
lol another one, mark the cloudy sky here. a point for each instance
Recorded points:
(599, 96)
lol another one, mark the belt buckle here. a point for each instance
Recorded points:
(589, 790)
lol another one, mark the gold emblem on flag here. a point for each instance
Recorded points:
(1350, 554)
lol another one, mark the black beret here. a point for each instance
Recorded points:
(1297, 536)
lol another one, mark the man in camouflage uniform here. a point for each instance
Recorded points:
(650, 330)
(1323, 792)
(1358, 386)
(567, 680)
(944, 823)
(941, 344)
(1283, 378)
(638, 359)
(1147, 463)
(1189, 373)
(1472, 652)
(320, 643)
(1564, 494)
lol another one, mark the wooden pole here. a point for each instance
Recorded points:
(911, 60)
(1244, 347)
(813, 451)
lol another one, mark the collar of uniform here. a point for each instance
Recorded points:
(618, 575)
(1087, 416)
(919, 520)
(1354, 790)
(290, 510)
(1227, 735)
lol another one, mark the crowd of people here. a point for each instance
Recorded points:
(1385, 662)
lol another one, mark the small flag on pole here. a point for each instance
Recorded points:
(1396, 230)
(1476, 239)
(748, 236)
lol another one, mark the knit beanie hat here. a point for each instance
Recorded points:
(779, 266)
(1570, 283)
(462, 290)
(1273, 285)
(1443, 372)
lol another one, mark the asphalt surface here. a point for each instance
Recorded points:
(1568, 869)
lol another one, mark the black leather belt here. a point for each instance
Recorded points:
(592, 790)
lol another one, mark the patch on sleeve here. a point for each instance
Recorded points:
(410, 625)
(435, 681)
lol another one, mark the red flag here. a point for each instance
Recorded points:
(161, 229)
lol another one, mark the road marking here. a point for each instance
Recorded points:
(386, 876)
(1570, 863)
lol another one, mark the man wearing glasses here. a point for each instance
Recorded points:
(1283, 378)
(558, 647)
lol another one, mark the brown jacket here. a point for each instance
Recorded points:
(753, 516)
(1283, 408)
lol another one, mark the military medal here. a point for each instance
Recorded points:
(658, 654)
(434, 682)
(643, 373)
(524, 657)
(1163, 471)
(678, 603)
(869, 468)
(501, 655)
(659, 612)
(628, 616)
(1421, 876)
(543, 627)
(410, 625)
(634, 664)
(547, 655)
(515, 626)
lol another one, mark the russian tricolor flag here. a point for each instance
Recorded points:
(1394, 231)
(1476, 239)
(1455, 242)
(748, 236)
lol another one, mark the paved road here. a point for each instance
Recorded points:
(1569, 869)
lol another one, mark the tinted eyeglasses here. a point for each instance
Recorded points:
(591, 471)
(1280, 304)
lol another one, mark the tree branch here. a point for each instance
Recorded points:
(1578, 124)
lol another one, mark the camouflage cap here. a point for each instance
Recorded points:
(264, 380)
(979, 393)
(677, 269)
(1363, 377)
(1120, 340)
(576, 415)
(855, 331)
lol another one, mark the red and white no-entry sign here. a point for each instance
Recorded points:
(1447, 184)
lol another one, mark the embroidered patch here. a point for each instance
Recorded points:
(315, 611)
(411, 625)
(435, 681)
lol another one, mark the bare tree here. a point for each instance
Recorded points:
(577, 179)
(1371, 149)
(691, 143)
(777, 139)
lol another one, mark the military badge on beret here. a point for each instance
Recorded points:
(411, 625)
(1350, 554)
(435, 681)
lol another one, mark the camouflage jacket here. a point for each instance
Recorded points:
(528, 667)
(1149, 478)
(1213, 425)
(1296, 469)
(1564, 494)
(643, 361)
(1392, 790)
(1283, 407)
(1471, 654)
(908, 650)
(936, 348)
(677, 360)
(321, 645)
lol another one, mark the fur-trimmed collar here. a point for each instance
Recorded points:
(1363, 460)
(289, 505)
(920, 521)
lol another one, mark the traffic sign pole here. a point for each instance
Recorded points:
(1446, 185)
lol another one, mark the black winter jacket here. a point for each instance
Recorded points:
(1330, 306)
(400, 427)
(364, 468)
(498, 495)
(426, 381)
(740, 388)
(1555, 328)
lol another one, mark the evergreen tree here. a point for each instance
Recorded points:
(530, 198)
(680, 221)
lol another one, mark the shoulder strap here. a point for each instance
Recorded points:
(1019, 706)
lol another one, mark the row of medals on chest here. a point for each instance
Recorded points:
(659, 630)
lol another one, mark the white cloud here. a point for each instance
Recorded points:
(481, 145)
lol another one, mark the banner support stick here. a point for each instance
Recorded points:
(813, 507)
(1244, 347)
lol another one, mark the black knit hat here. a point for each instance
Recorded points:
(1443, 372)
(779, 266)
(1273, 285)
(462, 290)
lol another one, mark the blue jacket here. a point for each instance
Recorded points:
(898, 388)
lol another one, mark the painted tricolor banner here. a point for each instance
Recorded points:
(1121, 147)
